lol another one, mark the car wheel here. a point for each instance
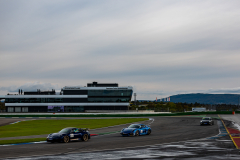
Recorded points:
(65, 139)
(149, 132)
(85, 138)
(137, 133)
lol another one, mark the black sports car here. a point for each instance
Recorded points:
(69, 134)
(206, 120)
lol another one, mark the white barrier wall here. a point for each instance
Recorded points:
(112, 111)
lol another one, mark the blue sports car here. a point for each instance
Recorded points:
(136, 130)
(69, 134)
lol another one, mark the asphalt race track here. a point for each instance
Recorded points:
(172, 136)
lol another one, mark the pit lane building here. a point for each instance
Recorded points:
(96, 96)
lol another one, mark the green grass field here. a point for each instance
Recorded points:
(15, 141)
(38, 127)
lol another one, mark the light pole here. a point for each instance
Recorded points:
(135, 98)
(238, 101)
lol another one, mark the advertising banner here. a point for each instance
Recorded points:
(55, 108)
(198, 109)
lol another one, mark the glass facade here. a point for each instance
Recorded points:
(110, 93)
(67, 100)
(34, 100)
(93, 99)
(55, 108)
(74, 100)
(102, 96)
(104, 100)
(73, 109)
(75, 92)
(111, 96)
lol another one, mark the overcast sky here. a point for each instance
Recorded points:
(160, 47)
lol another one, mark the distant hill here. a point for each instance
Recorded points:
(206, 98)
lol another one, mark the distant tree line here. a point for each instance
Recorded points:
(178, 107)
(2, 106)
(227, 107)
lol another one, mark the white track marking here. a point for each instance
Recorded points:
(151, 119)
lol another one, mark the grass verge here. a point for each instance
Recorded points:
(16, 141)
(39, 127)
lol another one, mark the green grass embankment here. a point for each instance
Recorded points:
(16, 141)
(40, 127)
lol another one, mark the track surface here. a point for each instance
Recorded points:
(164, 130)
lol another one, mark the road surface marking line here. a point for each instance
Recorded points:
(229, 134)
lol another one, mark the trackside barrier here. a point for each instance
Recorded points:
(117, 115)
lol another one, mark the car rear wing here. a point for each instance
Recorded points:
(84, 129)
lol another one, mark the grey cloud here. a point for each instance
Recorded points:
(170, 45)
(225, 90)
(31, 87)
(141, 71)
(9, 89)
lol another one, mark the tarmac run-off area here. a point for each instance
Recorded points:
(171, 138)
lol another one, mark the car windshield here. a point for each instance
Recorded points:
(206, 118)
(133, 126)
(66, 131)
